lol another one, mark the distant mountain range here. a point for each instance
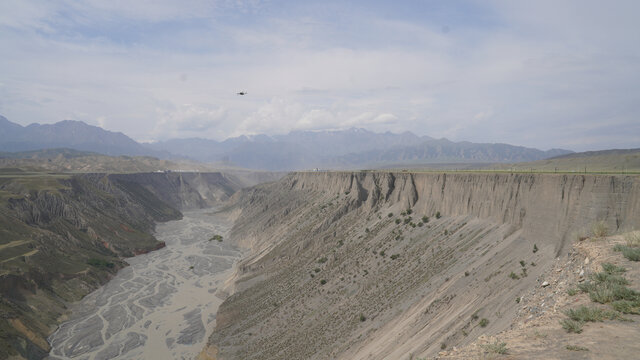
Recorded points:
(340, 149)
(69, 134)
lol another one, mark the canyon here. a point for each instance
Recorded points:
(65, 235)
(383, 265)
(345, 265)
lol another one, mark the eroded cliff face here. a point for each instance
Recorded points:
(184, 190)
(359, 265)
(63, 236)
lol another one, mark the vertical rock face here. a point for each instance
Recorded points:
(347, 265)
(63, 237)
(551, 206)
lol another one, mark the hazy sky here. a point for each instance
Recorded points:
(536, 73)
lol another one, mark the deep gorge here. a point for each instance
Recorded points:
(344, 266)
(340, 264)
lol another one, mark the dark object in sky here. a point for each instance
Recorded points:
(242, 93)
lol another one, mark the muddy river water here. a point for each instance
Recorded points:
(163, 306)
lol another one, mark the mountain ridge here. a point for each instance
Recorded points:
(339, 149)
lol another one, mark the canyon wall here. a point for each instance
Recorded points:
(389, 265)
(63, 236)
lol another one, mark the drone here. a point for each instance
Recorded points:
(242, 93)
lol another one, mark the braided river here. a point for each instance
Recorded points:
(163, 305)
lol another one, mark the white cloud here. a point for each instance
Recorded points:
(539, 74)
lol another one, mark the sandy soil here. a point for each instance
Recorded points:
(163, 306)
(537, 333)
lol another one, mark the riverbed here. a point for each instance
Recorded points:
(163, 305)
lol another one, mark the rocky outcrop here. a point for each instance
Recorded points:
(389, 265)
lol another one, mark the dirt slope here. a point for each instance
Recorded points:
(537, 333)
(340, 269)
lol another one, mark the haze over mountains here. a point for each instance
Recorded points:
(339, 149)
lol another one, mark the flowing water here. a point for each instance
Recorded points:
(163, 306)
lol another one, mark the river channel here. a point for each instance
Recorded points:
(163, 305)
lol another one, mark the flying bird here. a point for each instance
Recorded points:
(242, 93)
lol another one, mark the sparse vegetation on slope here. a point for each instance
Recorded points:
(441, 288)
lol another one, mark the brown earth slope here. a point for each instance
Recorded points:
(347, 265)
(537, 331)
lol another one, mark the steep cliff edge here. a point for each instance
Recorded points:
(63, 236)
(388, 265)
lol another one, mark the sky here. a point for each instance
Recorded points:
(544, 74)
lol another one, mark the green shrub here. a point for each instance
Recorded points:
(624, 293)
(587, 287)
(576, 348)
(216, 237)
(409, 211)
(632, 254)
(316, 270)
(390, 215)
(632, 238)
(606, 287)
(572, 291)
(602, 294)
(443, 346)
(496, 348)
(626, 306)
(585, 314)
(398, 221)
(535, 248)
(571, 326)
(407, 220)
(100, 263)
(322, 260)
(514, 276)
(600, 229)
(522, 263)
(603, 277)
(394, 256)
(323, 281)
(618, 247)
(362, 317)
(612, 269)
(438, 215)
(425, 219)
(483, 322)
